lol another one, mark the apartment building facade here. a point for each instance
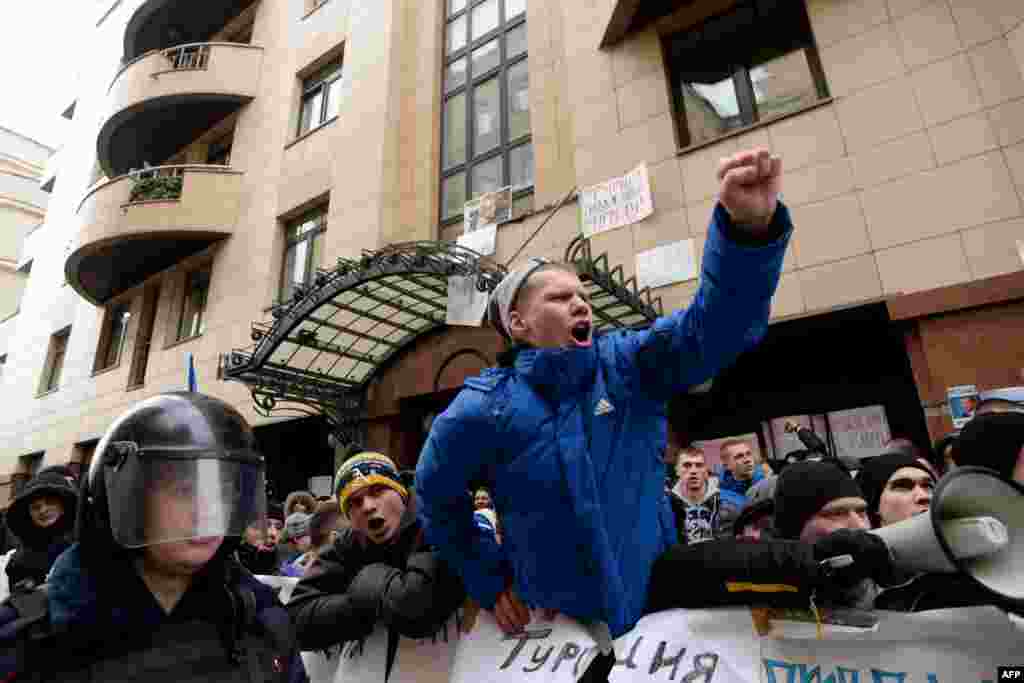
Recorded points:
(23, 163)
(236, 162)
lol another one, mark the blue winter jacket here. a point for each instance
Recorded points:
(572, 442)
(728, 482)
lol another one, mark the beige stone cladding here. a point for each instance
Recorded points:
(909, 176)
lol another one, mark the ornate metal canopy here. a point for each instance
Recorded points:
(615, 301)
(320, 349)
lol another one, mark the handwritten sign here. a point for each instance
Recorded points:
(860, 432)
(616, 203)
(428, 660)
(692, 646)
(558, 650)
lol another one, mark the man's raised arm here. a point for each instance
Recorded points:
(743, 255)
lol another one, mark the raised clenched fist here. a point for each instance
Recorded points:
(750, 186)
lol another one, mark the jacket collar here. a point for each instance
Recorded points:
(74, 593)
(678, 490)
(731, 483)
(558, 373)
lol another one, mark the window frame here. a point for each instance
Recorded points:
(53, 368)
(183, 309)
(469, 88)
(740, 75)
(317, 82)
(318, 213)
(102, 361)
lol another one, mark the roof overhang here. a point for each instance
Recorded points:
(322, 348)
(630, 16)
(159, 24)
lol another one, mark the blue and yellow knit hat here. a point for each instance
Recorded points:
(363, 470)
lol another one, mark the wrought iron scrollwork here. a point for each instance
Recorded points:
(293, 366)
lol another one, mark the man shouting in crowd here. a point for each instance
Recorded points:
(570, 428)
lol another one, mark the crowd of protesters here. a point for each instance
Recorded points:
(540, 490)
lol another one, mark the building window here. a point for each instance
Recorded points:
(485, 136)
(193, 305)
(321, 97)
(112, 338)
(303, 247)
(755, 62)
(219, 151)
(55, 360)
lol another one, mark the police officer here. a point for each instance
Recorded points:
(151, 590)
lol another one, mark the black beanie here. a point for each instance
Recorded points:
(803, 489)
(993, 440)
(875, 473)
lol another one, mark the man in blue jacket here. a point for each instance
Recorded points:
(570, 429)
(743, 471)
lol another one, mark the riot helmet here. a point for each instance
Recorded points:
(176, 467)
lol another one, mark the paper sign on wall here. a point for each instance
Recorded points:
(483, 240)
(666, 264)
(481, 218)
(860, 432)
(962, 402)
(466, 304)
(616, 203)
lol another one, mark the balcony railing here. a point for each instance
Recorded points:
(142, 222)
(161, 99)
(192, 56)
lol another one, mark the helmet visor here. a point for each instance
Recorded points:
(166, 499)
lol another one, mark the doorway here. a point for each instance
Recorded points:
(295, 451)
(835, 362)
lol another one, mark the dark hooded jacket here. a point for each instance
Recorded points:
(107, 626)
(356, 584)
(40, 547)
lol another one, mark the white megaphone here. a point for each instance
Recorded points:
(975, 525)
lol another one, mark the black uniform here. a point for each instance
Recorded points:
(103, 624)
(175, 468)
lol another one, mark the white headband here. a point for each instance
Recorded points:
(504, 295)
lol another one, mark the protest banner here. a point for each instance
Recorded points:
(615, 203)
(721, 646)
(964, 645)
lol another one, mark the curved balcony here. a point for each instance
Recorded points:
(139, 224)
(166, 99)
(159, 24)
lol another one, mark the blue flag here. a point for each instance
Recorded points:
(193, 385)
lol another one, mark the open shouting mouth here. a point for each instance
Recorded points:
(581, 332)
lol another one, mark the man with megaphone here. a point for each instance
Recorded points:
(966, 549)
(820, 515)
